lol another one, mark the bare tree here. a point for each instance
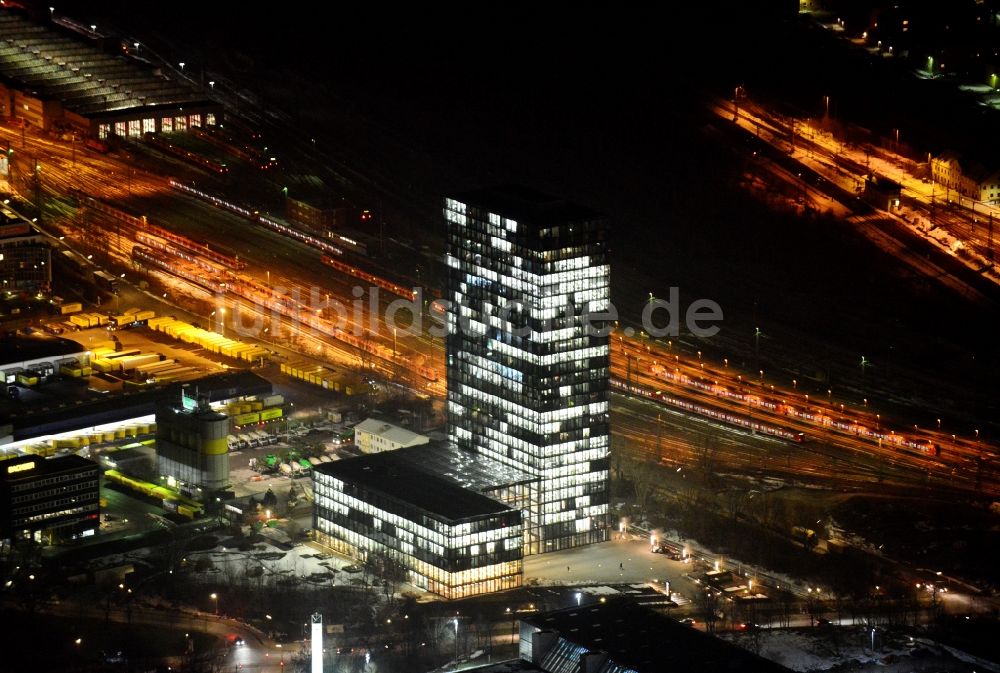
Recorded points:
(643, 476)
(708, 606)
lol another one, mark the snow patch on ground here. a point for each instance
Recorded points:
(850, 649)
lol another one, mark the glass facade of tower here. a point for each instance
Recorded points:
(527, 361)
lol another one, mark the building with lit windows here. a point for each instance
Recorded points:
(57, 75)
(965, 176)
(374, 435)
(527, 365)
(49, 499)
(25, 255)
(447, 538)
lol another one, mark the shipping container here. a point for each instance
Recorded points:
(132, 362)
(126, 352)
(246, 419)
(67, 309)
(27, 378)
(101, 365)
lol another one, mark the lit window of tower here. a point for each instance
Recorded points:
(527, 358)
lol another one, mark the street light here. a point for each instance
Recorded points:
(455, 620)
(182, 66)
(215, 598)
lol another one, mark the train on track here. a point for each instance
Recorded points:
(376, 280)
(164, 145)
(162, 261)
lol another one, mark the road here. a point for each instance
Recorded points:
(259, 652)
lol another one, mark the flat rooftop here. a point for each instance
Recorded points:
(29, 422)
(528, 206)
(387, 430)
(397, 476)
(645, 641)
(43, 466)
(466, 469)
(22, 348)
(52, 63)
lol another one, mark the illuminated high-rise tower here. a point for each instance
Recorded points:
(527, 362)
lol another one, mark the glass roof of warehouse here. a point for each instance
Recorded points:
(56, 65)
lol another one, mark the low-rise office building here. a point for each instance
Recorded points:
(375, 436)
(449, 540)
(49, 500)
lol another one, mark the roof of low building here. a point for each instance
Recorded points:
(468, 470)
(388, 431)
(644, 641)
(392, 474)
(23, 348)
(32, 422)
(56, 64)
(43, 466)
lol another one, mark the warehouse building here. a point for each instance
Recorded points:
(52, 78)
(49, 500)
(31, 424)
(38, 355)
(445, 538)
